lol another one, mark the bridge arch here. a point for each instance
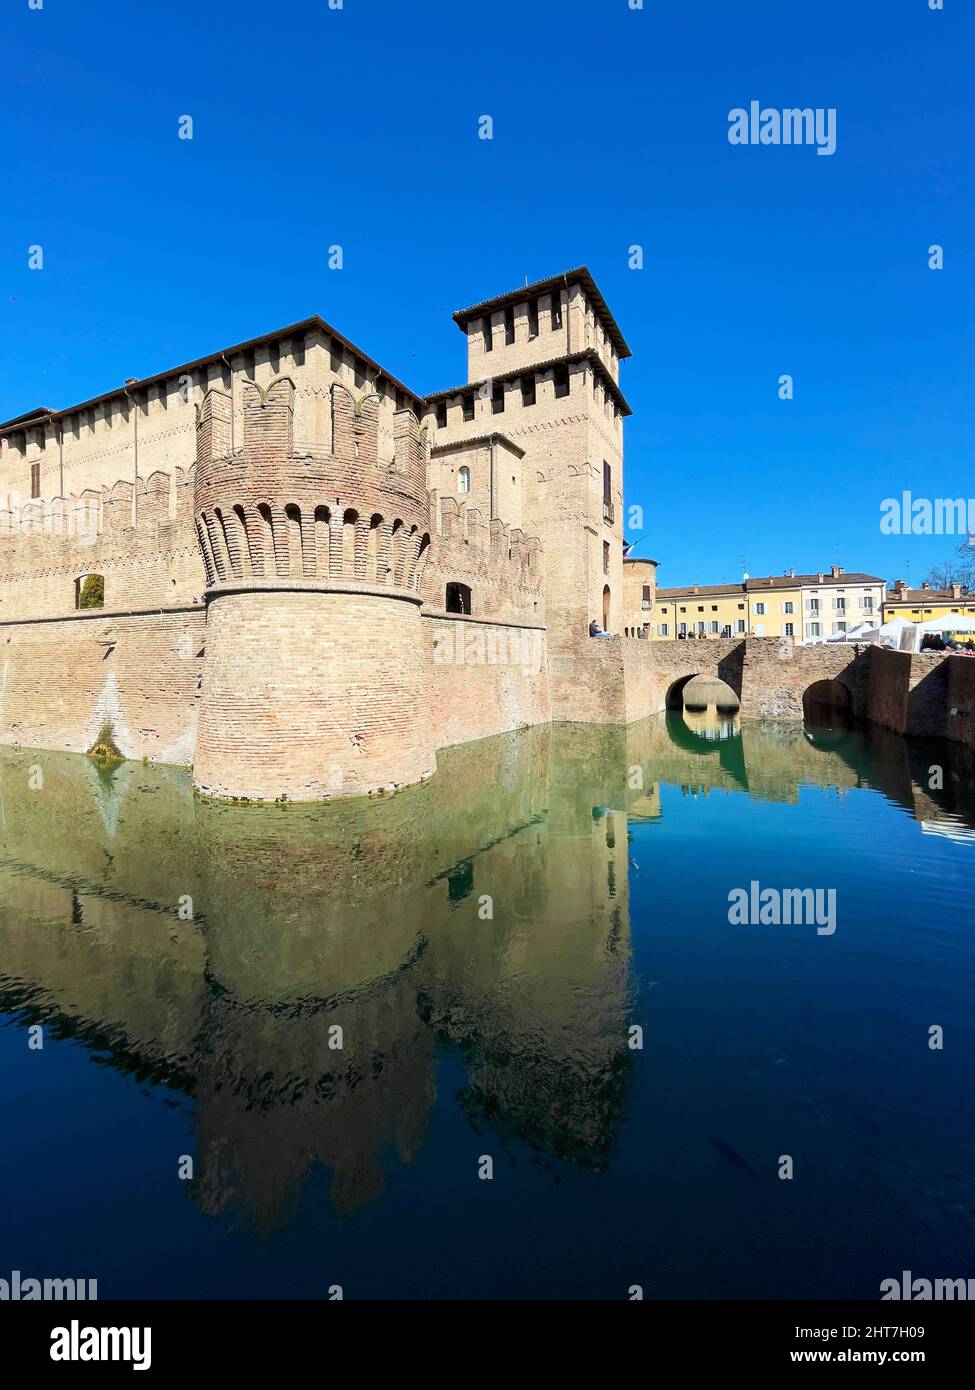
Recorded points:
(827, 701)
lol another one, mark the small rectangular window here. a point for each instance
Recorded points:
(528, 389)
(605, 557)
(556, 309)
(533, 318)
(488, 334)
(497, 398)
(790, 629)
(760, 608)
(509, 324)
(35, 480)
(468, 402)
(442, 415)
(663, 629)
(561, 378)
(814, 629)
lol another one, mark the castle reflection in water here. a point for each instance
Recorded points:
(373, 916)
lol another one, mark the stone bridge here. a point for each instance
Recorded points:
(622, 679)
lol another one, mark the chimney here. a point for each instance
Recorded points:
(925, 584)
(792, 573)
(836, 571)
(956, 591)
(819, 578)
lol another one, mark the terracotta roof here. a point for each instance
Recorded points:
(30, 417)
(580, 274)
(769, 584)
(21, 422)
(474, 439)
(918, 597)
(702, 590)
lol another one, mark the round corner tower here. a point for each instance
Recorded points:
(315, 678)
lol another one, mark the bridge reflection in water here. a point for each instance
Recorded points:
(484, 914)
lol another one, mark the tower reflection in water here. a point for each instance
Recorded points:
(333, 953)
(336, 954)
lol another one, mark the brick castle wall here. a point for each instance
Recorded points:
(139, 674)
(313, 694)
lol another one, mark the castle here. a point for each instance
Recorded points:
(308, 578)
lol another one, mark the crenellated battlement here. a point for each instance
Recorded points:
(316, 674)
(265, 513)
(139, 538)
(498, 563)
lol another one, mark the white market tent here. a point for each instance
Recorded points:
(952, 622)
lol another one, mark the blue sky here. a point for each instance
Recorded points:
(359, 127)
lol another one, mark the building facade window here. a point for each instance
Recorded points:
(663, 630)
(561, 379)
(457, 598)
(509, 324)
(790, 629)
(442, 415)
(488, 334)
(89, 591)
(528, 389)
(35, 480)
(760, 609)
(464, 479)
(533, 318)
(468, 404)
(605, 557)
(497, 398)
(815, 629)
(556, 309)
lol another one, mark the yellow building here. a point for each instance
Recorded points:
(800, 606)
(918, 605)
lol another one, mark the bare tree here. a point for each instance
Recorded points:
(959, 569)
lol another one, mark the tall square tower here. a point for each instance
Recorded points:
(536, 436)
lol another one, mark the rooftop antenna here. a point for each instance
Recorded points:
(744, 566)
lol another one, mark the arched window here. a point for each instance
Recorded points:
(89, 591)
(458, 598)
(464, 480)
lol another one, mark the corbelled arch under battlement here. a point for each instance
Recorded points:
(266, 513)
(316, 675)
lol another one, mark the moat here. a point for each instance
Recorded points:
(338, 1011)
